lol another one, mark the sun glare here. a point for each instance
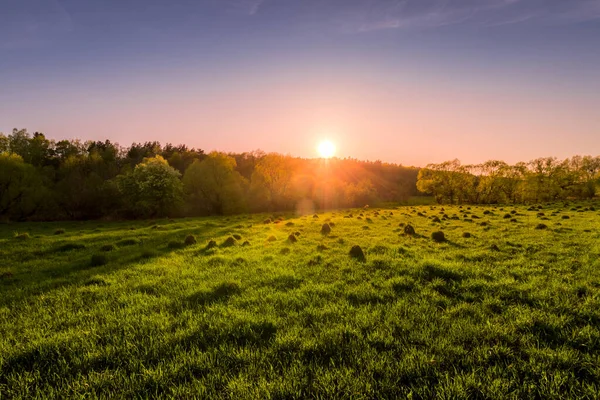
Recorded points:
(326, 149)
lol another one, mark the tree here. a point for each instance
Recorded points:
(213, 185)
(4, 143)
(152, 189)
(271, 181)
(21, 190)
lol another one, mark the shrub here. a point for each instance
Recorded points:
(211, 244)
(494, 248)
(230, 241)
(565, 217)
(507, 216)
(289, 224)
(409, 230)
(292, 238)
(108, 247)
(541, 226)
(513, 220)
(438, 237)
(237, 237)
(59, 232)
(190, 240)
(322, 247)
(435, 219)
(98, 260)
(284, 251)
(271, 238)
(325, 229)
(357, 253)
(267, 221)
(246, 243)
(466, 234)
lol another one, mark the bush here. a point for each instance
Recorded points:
(466, 234)
(190, 240)
(541, 226)
(409, 230)
(292, 238)
(246, 243)
(271, 238)
(108, 247)
(98, 260)
(325, 229)
(435, 219)
(357, 253)
(229, 242)
(507, 216)
(211, 244)
(237, 237)
(59, 232)
(438, 237)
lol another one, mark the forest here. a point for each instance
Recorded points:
(43, 179)
(496, 182)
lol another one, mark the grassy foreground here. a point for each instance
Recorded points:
(128, 309)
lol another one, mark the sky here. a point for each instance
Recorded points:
(404, 81)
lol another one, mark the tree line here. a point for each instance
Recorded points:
(44, 179)
(540, 180)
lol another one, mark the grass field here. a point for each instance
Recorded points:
(129, 309)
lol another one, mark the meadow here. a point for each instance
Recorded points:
(505, 305)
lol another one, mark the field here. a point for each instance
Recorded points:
(129, 309)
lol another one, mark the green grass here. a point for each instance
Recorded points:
(510, 312)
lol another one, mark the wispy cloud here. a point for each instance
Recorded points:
(387, 14)
(249, 7)
(368, 15)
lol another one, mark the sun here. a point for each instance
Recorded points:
(326, 149)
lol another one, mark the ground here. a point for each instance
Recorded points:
(137, 309)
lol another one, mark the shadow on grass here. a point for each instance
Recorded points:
(70, 263)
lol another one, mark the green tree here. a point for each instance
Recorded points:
(271, 182)
(21, 189)
(152, 189)
(214, 186)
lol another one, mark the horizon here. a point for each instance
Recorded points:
(315, 156)
(403, 82)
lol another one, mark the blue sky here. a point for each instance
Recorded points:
(410, 81)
